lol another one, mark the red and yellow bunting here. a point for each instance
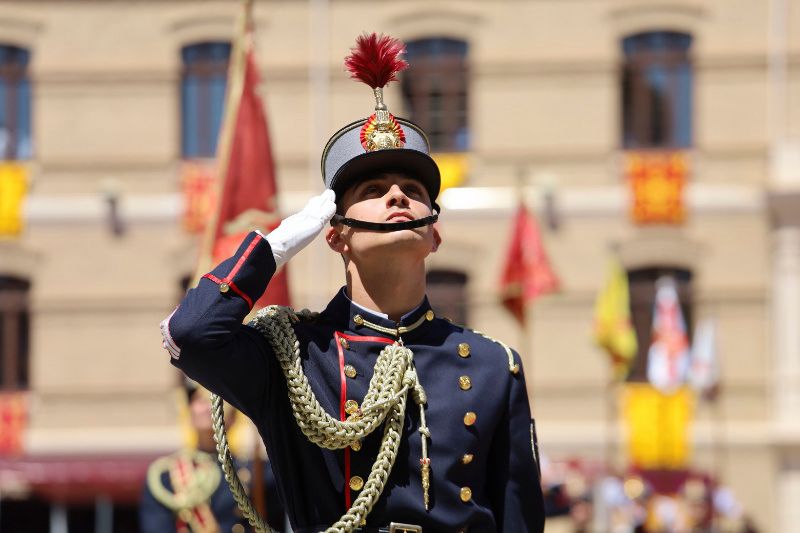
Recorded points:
(13, 422)
(657, 181)
(199, 192)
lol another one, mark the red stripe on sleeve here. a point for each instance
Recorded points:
(243, 258)
(233, 287)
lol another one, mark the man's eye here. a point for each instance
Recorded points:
(413, 190)
(371, 189)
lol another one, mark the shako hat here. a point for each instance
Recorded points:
(381, 142)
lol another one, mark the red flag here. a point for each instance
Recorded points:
(248, 188)
(527, 273)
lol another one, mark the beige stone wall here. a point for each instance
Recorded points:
(544, 105)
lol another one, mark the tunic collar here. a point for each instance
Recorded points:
(363, 321)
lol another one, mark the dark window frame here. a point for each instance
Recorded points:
(435, 91)
(642, 287)
(657, 90)
(448, 294)
(15, 333)
(204, 75)
(15, 102)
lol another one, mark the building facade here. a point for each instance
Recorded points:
(108, 103)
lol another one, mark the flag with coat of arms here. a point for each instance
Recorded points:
(668, 356)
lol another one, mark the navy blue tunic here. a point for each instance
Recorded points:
(484, 472)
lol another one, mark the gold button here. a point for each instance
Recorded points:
(515, 369)
(429, 315)
(350, 371)
(351, 407)
(237, 528)
(356, 446)
(358, 320)
(466, 494)
(465, 383)
(470, 418)
(224, 287)
(356, 483)
(344, 343)
(467, 459)
(463, 349)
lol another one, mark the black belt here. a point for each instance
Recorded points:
(394, 527)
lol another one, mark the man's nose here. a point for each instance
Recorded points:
(396, 196)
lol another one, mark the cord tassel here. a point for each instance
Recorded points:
(420, 398)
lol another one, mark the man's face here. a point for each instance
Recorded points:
(200, 410)
(386, 198)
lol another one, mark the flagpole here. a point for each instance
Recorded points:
(525, 344)
(611, 400)
(235, 86)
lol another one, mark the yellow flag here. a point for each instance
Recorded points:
(612, 321)
(13, 186)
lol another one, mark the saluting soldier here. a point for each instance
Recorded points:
(185, 492)
(378, 415)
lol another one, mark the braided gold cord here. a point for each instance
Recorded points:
(385, 401)
(228, 468)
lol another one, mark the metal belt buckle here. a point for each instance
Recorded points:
(397, 527)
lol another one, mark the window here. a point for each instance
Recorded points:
(447, 293)
(205, 71)
(435, 91)
(15, 104)
(642, 284)
(657, 91)
(14, 333)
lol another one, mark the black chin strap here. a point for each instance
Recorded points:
(384, 226)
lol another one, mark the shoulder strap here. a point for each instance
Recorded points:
(513, 366)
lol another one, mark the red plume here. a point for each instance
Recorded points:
(375, 59)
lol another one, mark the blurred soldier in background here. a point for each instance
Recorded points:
(186, 493)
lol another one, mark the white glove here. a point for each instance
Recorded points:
(296, 231)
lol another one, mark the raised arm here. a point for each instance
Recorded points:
(205, 335)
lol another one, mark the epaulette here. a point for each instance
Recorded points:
(513, 367)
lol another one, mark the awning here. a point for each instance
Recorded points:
(75, 479)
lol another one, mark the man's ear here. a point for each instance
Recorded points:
(437, 238)
(335, 240)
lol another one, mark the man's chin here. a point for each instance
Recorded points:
(396, 241)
